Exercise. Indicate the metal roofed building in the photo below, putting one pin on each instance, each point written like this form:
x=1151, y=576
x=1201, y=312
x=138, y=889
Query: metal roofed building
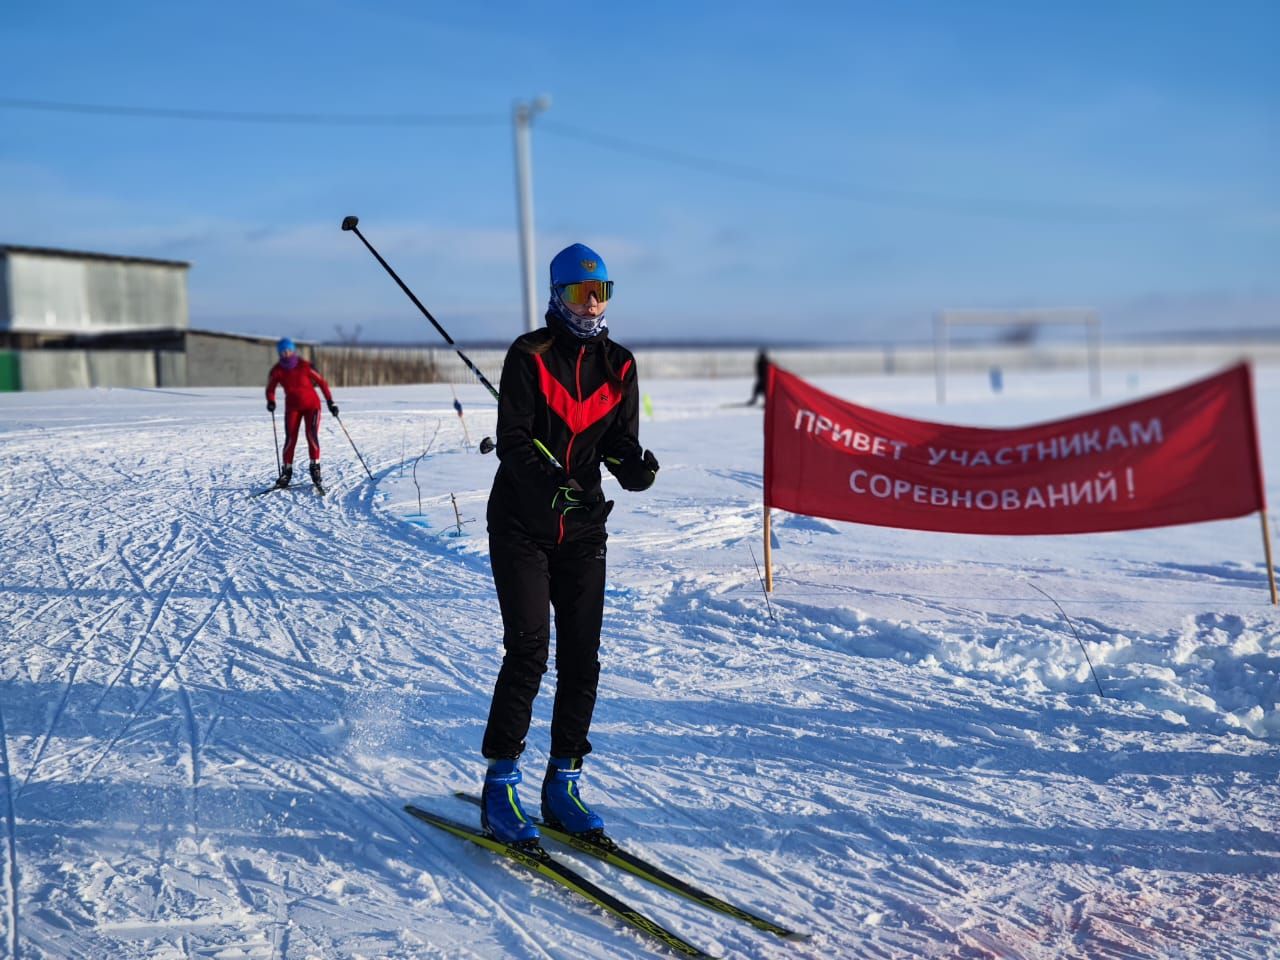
x=70, y=318
x=49, y=295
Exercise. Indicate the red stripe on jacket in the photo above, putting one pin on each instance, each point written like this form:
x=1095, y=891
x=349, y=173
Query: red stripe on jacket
x=579, y=413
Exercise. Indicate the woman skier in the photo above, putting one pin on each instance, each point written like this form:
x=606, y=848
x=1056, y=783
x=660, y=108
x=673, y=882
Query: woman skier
x=301, y=405
x=568, y=403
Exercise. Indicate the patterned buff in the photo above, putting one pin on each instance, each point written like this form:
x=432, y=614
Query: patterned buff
x=289, y=362
x=583, y=328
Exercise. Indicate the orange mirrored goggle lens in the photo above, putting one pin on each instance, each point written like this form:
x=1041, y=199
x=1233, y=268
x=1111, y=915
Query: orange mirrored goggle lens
x=577, y=293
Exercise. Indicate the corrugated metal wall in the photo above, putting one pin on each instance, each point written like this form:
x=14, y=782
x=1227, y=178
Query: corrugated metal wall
x=63, y=294
x=217, y=361
x=77, y=369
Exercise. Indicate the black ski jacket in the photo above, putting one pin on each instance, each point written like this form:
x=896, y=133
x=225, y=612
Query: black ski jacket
x=581, y=400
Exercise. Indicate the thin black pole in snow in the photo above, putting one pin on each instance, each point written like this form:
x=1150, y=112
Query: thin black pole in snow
x=763, y=589
x=276, y=437
x=1078, y=640
x=353, y=446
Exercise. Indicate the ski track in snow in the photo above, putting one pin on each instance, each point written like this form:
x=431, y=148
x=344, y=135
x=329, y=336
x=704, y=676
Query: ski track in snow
x=214, y=707
x=12, y=894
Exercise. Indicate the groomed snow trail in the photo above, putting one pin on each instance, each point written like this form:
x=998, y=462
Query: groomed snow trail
x=213, y=708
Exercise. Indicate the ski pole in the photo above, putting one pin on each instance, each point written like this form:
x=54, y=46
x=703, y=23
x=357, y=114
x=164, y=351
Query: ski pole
x=350, y=223
x=542, y=448
x=353, y=446
x=276, y=437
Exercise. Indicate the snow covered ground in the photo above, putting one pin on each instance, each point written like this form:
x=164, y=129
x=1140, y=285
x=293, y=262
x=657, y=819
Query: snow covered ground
x=212, y=708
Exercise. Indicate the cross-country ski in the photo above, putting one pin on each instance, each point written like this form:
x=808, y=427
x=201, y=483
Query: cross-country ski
x=533, y=857
x=603, y=847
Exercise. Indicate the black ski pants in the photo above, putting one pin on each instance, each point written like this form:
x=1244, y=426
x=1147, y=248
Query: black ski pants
x=531, y=578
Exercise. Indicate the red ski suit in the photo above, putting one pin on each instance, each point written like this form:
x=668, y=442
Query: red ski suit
x=300, y=404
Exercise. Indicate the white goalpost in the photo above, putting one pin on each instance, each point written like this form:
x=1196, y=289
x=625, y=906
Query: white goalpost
x=1039, y=317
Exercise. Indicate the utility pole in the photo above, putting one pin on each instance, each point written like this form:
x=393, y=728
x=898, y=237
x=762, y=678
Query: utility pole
x=522, y=117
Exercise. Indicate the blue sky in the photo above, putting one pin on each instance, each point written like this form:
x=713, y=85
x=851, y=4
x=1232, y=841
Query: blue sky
x=749, y=171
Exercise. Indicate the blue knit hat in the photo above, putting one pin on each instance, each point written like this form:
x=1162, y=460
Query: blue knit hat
x=283, y=344
x=575, y=264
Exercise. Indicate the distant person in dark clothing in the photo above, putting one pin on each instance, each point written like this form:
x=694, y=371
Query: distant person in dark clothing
x=762, y=378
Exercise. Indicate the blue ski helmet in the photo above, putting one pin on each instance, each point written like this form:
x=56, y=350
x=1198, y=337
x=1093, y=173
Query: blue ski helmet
x=283, y=344
x=575, y=264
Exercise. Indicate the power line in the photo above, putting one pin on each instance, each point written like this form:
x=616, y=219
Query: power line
x=1083, y=212
x=243, y=116
x=1065, y=212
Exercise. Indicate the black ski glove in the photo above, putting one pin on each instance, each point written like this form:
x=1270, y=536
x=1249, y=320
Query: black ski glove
x=635, y=473
x=333, y=408
x=571, y=501
x=271, y=406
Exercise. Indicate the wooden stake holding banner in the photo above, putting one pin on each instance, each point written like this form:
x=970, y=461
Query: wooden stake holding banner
x=1260, y=484
x=765, y=476
x=768, y=555
x=1266, y=546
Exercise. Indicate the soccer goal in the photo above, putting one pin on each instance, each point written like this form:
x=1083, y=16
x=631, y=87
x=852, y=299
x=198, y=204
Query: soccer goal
x=1023, y=320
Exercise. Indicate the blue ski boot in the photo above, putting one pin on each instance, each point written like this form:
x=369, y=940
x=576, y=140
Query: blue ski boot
x=501, y=815
x=562, y=805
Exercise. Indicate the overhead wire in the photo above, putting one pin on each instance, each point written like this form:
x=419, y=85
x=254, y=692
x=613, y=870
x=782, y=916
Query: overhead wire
x=878, y=196
x=247, y=116
x=1004, y=209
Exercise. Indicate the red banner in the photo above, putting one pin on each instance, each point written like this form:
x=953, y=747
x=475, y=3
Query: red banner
x=1179, y=457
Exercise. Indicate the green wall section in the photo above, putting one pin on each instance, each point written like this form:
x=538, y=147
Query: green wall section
x=10, y=371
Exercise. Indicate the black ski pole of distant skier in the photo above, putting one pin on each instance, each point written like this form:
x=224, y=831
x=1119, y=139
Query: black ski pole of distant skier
x=350, y=223
x=276, y=437
x=353, y=446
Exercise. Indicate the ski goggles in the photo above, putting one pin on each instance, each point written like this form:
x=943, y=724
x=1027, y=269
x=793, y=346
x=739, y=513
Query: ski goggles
x=577, y=293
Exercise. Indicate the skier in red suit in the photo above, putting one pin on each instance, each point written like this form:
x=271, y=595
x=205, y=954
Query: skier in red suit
x=301, y=406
